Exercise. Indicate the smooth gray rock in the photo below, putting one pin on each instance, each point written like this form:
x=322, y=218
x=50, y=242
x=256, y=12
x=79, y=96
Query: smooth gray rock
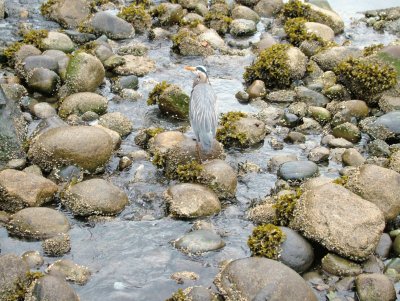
x=297, y=170
x=13, y=276
x=112, y=26
x=52, y=288
x=199, y=241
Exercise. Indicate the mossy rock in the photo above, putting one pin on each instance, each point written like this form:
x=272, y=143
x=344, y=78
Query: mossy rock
x=82, y=102
x=68, y=13
x=80, y=65
x=365, y=79
x=168, y=13
x=277, y=66
x=171, y=100
x=219, y=21
x=185, y=42
x=266, y=241
x=137, y=16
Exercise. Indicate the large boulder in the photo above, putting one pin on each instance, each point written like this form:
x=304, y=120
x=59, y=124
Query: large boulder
x=58, y=41
x=82, y=102
x=19, y=189
x=13, y=277
x=340, y=220
x=53, y=288
x=94, y=197
x=112, y=26
x=327, y=17
x=191, y=201
x=37, y=223
x=88, y=147
x=258, y=279
x=329, y=59
x=80, y=65
x=377, y=185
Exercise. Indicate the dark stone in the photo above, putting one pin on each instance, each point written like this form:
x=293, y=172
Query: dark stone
x=112, y=26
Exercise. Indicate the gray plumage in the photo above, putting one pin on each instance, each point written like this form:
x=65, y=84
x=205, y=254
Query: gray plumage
x=202, y=110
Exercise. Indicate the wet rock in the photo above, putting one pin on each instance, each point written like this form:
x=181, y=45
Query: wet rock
x=118, y=122
x=394, y=161
x=43, y=81
x=243, y=12
x=263, y=213
x=329, y=59
x=199, y=241
x=344, y=223
x=199, y=293
x=309, y=127
x=297, y=170
x=191, y=201
x=297, y=252
x=270, y=115
x=340, y=143
x=295, y=137
x=373, y=265
x=220, y=177
x=290, y=120
x=52, y=288
x=212, y=38
x=347, y=131
x=377, y=185
x=40, y=61
x=351, y=157
x=390, y=121
x=113, y=62
x=37, y=223
x=257, y=89
x=251, y=129
x=34, y=169
x=33, y=259
x=58, y=41
x=266, y=41
x=355, y=108
x=57, y=245
x=276, y=161
x=327, y=17
x=338, y=266
x=389, y=103
x=321, y=115
x=242, y=27
x=17, y=164
x=378, y=148
x=258, y=278
x=297, y=62
x=85, y=146
x=43, y=110
x=242, y=97
x=19, y=189
x=136, y=65
x=94, y=196
x=115, y=137
x=125, y=82
x=67, y=13
x=78, y=68
x=310, y=97
x=375, y=287
x=286, y=96
x=70, y=271
x=14, y=277
x=384, y=245
x=62, y=60
x=319, y=154
x=112, y=26
x=266, y=8
x=320, y=30
x=79, y=103
x=187, y=43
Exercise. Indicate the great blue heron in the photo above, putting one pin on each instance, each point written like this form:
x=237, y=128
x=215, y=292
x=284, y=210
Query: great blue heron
x=202, y=109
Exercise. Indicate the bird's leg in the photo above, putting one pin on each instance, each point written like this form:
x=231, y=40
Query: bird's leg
x=198, y=151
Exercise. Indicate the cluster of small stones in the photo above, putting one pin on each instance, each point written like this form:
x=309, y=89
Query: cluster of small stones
x=346, y=94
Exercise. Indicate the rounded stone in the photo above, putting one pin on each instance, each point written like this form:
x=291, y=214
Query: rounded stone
x=57, y=245
x=384, y=246
x=112, y=26
x=33, y=259
x=14, y=276
x=258, y=278
x=220, y=177
x=242, y=27
x=319, y=154
x=94, y=197
x=85, y=146
x=191, y=201
x=276, y=161
x=19, y=189
x=58, y=41
x=199, y=241
x=338, y=266
x=320, y=30
x=80, y=103
x=80, y=65
x=117, y=122
x=243, y=12
x=43, y=110
x=390, y=121
x=70, y=271
x=38, y=223
x=297, y=170
x=297, y=252
x=51, y=288
x=40, y=61
x=347, y=131
x=340, y=143
x=43, y=81
x=351, y=157
x=375, y=287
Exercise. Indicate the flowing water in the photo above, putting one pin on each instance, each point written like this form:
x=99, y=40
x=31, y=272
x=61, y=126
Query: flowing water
x=131, y=257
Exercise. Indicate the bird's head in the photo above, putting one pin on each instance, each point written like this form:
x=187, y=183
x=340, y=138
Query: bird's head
x=201, y=73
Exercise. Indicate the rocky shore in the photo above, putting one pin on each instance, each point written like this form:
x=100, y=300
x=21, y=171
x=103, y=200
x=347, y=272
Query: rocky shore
x=299, y=198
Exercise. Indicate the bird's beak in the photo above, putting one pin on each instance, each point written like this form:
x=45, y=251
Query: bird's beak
x=190, y=68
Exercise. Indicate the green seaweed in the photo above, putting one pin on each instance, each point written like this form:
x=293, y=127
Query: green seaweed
x=190, y=172
x=35, y=37
x=271, y=66
x=297, y=33
x=285, y=206
x=179, y=295
x=364, y=79
x=227, y=134
x=155, y=94
x=45, y=8
x=341, y=180
x=137, y=16
x=266, y=241
x=372, y=49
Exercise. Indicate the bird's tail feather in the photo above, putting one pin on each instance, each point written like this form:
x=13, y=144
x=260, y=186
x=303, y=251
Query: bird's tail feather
x=206, y=142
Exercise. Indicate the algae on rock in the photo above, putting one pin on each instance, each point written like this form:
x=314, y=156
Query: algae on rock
x=266, y=241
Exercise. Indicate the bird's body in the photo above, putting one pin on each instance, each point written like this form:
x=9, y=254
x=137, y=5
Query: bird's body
x=202, y=110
